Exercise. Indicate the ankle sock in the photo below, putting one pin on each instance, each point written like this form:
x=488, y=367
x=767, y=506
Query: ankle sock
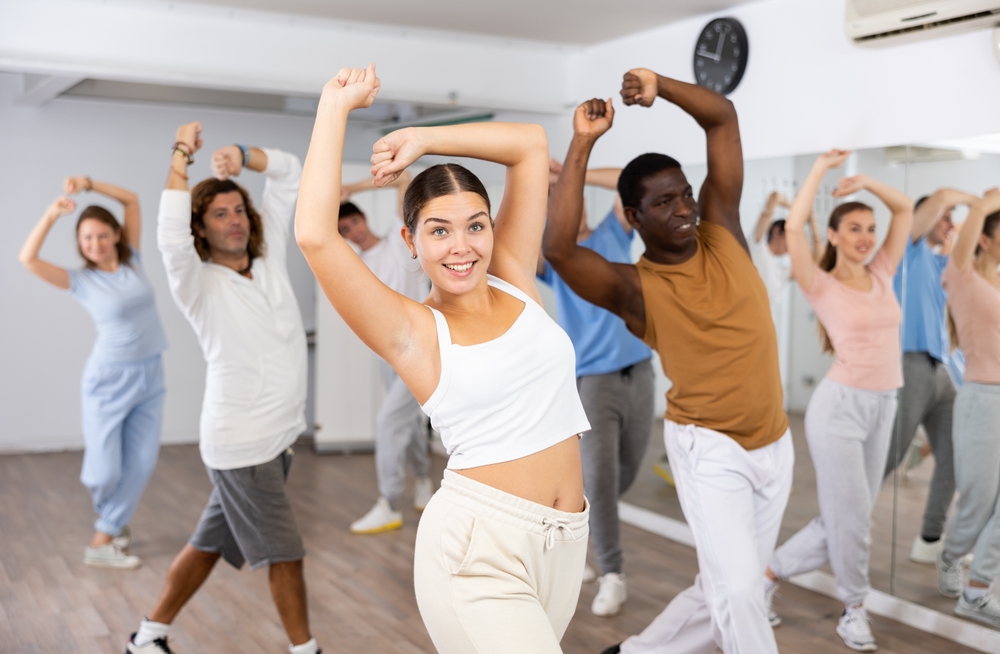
x=308, y=647
x=932, y=539
x=150, y=631
x=973, y=593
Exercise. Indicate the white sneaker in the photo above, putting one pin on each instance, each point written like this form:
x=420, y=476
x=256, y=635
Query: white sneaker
x=380, y=518
x=422, y=491
x=589, y=575
x=610, y=596
x=110, y=556
x=986, y=609
x=924, y=552
x=124, y=539
x=158, y=646
x=949, y=576
x=770, y=591
x=855, y=628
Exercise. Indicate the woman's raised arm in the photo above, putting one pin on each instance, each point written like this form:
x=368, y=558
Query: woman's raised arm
x=132, y=231
x=899, y=204
x=389, y=323
x=522, y=148
x=28, y=257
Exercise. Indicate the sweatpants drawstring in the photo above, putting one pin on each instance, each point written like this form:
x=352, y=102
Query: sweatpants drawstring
x=551, y=527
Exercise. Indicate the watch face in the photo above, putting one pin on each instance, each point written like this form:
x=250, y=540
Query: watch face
x=720, y=55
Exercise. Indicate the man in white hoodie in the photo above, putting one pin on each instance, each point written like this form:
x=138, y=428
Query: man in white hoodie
x=233, y=287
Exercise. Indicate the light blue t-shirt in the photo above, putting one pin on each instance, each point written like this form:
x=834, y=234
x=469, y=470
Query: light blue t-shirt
x=123, y=307
x=602, y=342
x=924, y=327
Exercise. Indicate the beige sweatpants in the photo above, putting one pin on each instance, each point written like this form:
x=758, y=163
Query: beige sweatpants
x=497, y=573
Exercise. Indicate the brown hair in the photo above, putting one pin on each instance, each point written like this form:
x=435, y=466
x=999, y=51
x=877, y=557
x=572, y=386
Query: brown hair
x=203, y=194
x=829, y=259
x=435, y=182
x=102, y=215
x=989, y=228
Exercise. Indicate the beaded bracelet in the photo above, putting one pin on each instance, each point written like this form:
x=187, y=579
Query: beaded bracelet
x=187, y=156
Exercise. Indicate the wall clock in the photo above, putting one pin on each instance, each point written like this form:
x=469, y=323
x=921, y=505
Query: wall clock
x=720, y=55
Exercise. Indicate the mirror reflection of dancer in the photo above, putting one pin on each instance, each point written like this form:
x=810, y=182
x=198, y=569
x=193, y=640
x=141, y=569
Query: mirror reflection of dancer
x=850, y=415
x=928, y=394
x=226, y=267
x=696, y=297
x=501, y=546
x=614, y=375
x=400, y=434
x=973, y=287
x=122, y=391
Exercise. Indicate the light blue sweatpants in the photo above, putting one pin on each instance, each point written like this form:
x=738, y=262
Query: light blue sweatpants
x=122, y=417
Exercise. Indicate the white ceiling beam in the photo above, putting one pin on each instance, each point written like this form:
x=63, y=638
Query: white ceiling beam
x=40, y=89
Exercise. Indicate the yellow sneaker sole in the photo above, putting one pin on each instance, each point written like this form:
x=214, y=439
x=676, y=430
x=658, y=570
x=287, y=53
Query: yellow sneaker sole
x=664, y=473
x=389, y=526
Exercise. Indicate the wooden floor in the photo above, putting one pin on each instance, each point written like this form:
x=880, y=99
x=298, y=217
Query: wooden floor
x=360, y=588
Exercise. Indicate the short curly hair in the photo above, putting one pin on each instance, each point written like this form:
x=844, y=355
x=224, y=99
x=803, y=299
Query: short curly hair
x=630, y=182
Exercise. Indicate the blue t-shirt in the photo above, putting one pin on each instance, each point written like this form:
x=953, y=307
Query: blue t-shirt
x=602, y=342
x=924, y=327
x=123, y=307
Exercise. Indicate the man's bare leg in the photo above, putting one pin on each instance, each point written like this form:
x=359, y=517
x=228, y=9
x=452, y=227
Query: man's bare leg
x=188, y=572
x=288, y=588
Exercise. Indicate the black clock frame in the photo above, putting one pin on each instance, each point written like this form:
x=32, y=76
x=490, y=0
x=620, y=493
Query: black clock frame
x=741, y=61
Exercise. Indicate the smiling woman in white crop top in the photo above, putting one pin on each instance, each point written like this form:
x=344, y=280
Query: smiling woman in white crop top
x=500, y=547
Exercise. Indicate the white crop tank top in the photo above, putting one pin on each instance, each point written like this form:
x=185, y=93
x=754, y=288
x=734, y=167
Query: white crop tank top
x=509, y=397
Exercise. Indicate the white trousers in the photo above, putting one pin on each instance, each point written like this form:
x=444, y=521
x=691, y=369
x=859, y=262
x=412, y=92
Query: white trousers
x=733, y=500
x=494, y=573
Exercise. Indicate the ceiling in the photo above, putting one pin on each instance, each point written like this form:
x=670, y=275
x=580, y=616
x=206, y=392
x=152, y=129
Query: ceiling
x=582, y=22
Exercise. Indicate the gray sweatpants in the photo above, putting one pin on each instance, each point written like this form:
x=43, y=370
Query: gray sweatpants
x=927, y=398
x=976, y=525
x=619, y=407
x=848, y=433
x=400, y=437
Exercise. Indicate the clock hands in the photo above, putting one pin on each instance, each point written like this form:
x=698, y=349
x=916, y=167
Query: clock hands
x=717, y=55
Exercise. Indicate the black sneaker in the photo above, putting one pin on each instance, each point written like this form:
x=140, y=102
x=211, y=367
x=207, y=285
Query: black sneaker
x=614, y=649
x=158, y=646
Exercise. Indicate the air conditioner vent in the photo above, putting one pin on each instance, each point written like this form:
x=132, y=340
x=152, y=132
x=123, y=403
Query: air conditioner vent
x=877, y=23
x=924, y=27
x=872, y=7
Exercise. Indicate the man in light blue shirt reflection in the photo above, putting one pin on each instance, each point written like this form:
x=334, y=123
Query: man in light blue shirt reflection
x=928, y=391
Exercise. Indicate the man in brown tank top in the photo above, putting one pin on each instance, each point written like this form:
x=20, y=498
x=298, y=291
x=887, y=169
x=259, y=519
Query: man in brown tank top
x=696, y=297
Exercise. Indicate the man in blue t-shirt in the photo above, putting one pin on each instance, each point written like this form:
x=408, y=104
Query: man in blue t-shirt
x=615, y=380
x=928, y=391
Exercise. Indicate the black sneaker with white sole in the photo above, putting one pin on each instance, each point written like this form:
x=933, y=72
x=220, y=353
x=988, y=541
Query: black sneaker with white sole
x=158, y=646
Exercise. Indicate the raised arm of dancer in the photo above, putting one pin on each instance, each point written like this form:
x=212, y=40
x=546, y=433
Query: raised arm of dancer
x=803, y=264
x=129, y=200
x=774, y=201
x=612, y=286
x=814, y=239
x=964, y=250
x=899, y=204
x=522, y=148
x=719, y=198
x=927, y=215
x=388, y=322
x=173, y=225
x=401, y=183
x=28, y=256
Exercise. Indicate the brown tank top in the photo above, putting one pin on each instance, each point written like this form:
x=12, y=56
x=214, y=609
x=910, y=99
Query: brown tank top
x=710, y=321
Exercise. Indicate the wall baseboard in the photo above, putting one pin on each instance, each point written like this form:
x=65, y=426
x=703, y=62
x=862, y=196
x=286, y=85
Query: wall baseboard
x=74, y=442
x=878, y=603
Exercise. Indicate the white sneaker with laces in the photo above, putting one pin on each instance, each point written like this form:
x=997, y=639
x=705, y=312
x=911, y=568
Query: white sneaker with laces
x=769, y=592
x=986, y=609
x=380, y=518
x=589, y=575
x=611, y=595
x=949, y=576
x=110, y=556
x=422, y=491
x=855, y=628
x=124, y=539
x=158, y=646
x=924, y=552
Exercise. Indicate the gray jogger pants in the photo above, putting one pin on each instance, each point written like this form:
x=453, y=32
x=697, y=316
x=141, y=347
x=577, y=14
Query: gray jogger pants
x=848, y=433
x=619, y=406
x=927, y=398
x=976, y=525
x=400, y=437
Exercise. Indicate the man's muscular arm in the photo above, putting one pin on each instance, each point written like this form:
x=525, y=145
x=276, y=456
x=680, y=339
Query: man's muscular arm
x=719, y=199
x=612, y=286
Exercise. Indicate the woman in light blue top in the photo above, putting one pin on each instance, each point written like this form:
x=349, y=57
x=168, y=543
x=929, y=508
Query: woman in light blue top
x=122, y=390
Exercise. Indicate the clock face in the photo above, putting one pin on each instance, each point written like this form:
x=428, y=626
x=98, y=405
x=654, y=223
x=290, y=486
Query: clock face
x=720, y=55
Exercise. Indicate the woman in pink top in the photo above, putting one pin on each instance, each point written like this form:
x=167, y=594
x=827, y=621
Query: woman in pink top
x=850, y=415
x=973, y=288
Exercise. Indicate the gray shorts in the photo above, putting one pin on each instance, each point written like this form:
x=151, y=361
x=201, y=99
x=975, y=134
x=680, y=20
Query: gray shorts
x=249, y=518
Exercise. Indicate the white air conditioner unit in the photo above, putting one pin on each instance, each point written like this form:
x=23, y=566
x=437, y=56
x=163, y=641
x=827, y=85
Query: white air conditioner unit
x=877, y=23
